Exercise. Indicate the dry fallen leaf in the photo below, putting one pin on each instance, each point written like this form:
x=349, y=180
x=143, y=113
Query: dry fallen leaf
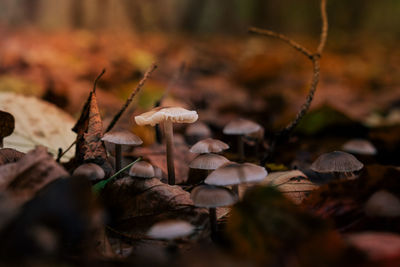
x=293, y=184
x=89, y=147
x=9, y=155
x=37, y=123
x=22, y=179
x=139, y=203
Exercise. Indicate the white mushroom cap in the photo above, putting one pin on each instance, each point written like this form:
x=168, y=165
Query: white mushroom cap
x=122, y=138
x=236, y=173
x=336, y=161
x=359, y=146
x=241, y=126
x=90, y=170
x=209, y=196
x=209, y=145
x=170, y=229
x=208, y=162
x=142, y=169
x=173, y=114
x=383, y=204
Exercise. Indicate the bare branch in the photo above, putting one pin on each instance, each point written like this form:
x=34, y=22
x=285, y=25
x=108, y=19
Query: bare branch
x=97, y=79
x=133, y=94
x=283, y=38
x=315, y=59
x=324, y=31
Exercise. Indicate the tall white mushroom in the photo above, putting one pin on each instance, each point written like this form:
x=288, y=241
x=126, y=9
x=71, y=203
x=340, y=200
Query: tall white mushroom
x=167, y=116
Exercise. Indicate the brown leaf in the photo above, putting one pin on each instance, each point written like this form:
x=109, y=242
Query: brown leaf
x=9, y=155
x=89, y=147
x=7, y=125
x=22, y=179
x=139, y=203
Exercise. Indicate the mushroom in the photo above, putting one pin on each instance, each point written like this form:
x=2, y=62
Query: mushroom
x=359, y=146
x=338, y=163
x=209, y=145
x=208, y=162
x=120, y=138
x=142, y=169
x=197, y=131
x=91, y=170
x=233, y=174
x=211, y=197
x=170, y=230
x=241, y=127
x=382, y=204
x=167, y=116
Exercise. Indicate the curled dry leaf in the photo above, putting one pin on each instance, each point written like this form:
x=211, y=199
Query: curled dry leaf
x=89, y=147
x=7, y=125
x=22, y=179
x=139, y=203
x=37, y=123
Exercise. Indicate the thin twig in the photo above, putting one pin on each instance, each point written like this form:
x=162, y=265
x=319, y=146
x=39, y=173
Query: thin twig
x=133, y=94
x=283, y=38
x=324, y=31
x=315, y=59
x=316, y=74
x=60, y=155
x=97, y=79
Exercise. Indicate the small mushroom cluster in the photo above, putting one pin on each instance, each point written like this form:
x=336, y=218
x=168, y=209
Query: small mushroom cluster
x=222, y=173
x=208, y=159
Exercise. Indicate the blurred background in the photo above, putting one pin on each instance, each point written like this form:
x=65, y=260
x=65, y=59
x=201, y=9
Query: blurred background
x=55, y=49
x=378, y=18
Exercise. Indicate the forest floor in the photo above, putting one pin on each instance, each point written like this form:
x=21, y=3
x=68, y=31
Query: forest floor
x=222, y=78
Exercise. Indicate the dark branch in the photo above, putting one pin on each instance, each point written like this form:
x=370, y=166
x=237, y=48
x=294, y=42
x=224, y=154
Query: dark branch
x=133, y=94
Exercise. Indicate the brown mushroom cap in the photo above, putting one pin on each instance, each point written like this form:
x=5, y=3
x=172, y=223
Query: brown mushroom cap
x=122, y=138
x=359, y=146
x=209, y=145
x=208, y=162
x=241, y=126
x=173, y=114
x=236, y=173
x=170, y=229
x=209, y=196
x=142, y=169
x=91, y=170
x=336, y=161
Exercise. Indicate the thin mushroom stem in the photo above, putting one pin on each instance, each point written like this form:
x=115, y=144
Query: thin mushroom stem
x=241, y=148
x=118, y=157
x=169, y=137
x=213, y=221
